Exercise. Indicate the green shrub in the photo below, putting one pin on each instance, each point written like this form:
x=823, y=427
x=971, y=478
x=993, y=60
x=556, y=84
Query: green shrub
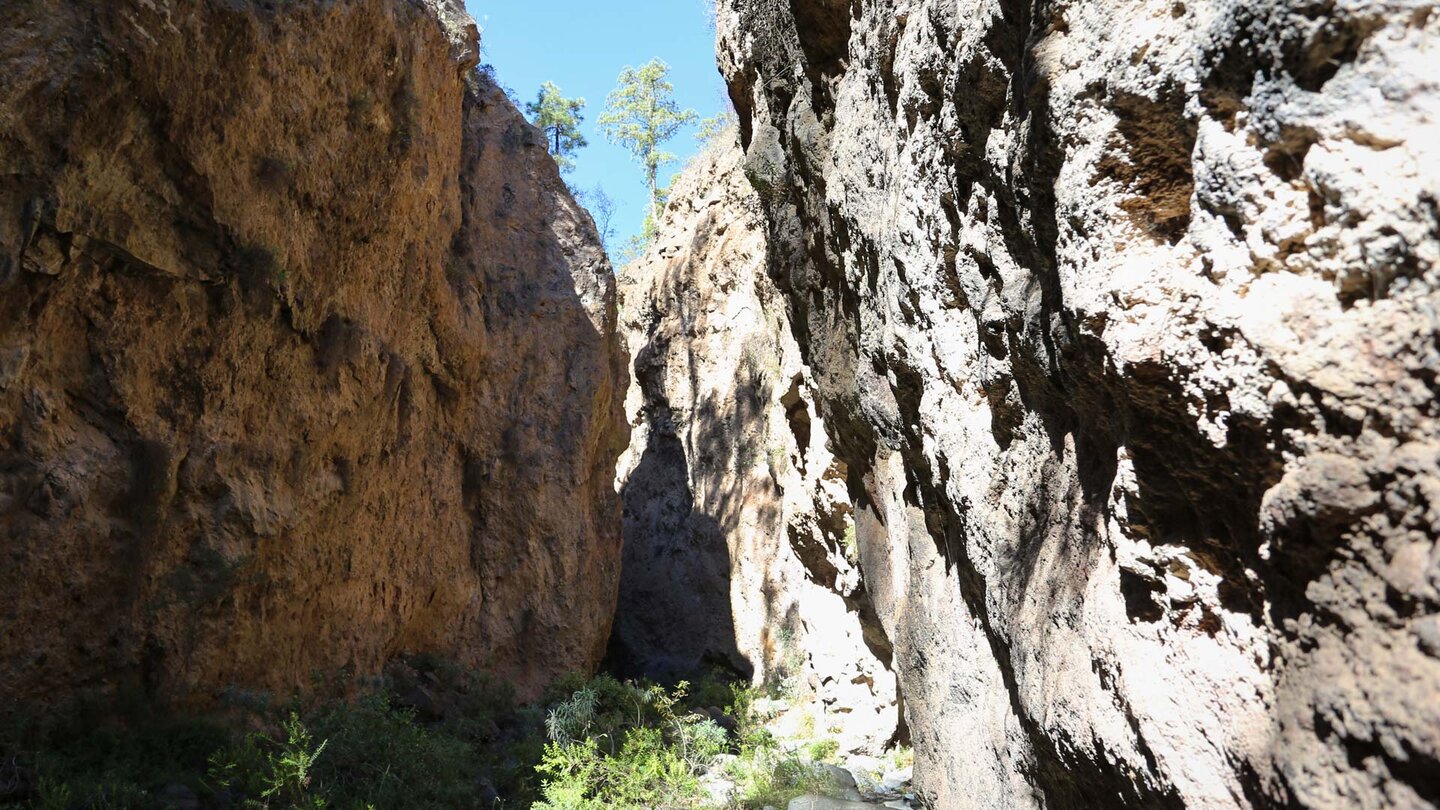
x=589, y=744
x=105, y=753
x=336, y=753
x=822, y=750
x=645, y=772
x=769, y=777
x=901, y=756
x=627, y=745
x=379, y=755
x=277, y=772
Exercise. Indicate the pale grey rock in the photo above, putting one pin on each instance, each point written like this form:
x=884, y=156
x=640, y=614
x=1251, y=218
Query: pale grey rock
x=1122, y=318
x=844, y=782
x=811, y=802
x=736, y=513
x=896, y=780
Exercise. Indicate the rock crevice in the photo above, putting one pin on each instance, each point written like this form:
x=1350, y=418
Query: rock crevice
x=738, y=534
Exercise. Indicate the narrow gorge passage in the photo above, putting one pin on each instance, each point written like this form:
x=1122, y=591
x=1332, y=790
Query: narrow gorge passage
x=739, y=536
x=1006, y=404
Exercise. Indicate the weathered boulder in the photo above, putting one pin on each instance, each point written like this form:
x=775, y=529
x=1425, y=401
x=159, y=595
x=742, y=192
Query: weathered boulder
x=736, y=517
x=1123, y=319
x=307, y=358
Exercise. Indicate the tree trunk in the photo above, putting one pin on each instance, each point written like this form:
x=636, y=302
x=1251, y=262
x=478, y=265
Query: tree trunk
x=654, y=169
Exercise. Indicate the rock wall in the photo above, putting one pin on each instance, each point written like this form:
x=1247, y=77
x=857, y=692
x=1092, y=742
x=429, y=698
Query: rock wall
x=736, y=516
x=307, y=358
x=1123, y=320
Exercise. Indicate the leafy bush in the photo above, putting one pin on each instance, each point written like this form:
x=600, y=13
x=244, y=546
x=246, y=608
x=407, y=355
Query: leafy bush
x=590, y=744
x=104, y=753
x=626, y=745
x=769, y=777
x=276, y=772
x=370, y=752
x=645, y=772
x=822, y=750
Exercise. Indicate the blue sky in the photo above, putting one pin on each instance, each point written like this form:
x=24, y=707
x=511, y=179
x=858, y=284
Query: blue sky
x=582, y=45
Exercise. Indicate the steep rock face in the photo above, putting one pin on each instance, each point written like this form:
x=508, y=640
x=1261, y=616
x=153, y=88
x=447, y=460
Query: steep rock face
x=736, y=517
x=1123, y=318
x=307, y=358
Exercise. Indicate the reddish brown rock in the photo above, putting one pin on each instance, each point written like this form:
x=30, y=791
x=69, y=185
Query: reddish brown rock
x=307, y=358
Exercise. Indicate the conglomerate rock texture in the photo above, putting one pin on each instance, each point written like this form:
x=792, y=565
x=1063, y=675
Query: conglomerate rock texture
x=1123, y=320
x=307, y=358
x=736, y=515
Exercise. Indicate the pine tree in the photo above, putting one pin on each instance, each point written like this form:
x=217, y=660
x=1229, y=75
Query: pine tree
x=711, y=129
x=560, y=119
x=641, y=115
x=602, y=209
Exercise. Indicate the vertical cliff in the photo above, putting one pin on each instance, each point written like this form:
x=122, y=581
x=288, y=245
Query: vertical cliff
x=1122, y=318
x=736, y=516
x=307, y=358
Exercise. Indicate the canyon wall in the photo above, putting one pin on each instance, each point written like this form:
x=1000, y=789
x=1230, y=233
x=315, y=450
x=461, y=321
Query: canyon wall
x=1122, y=318
x=738, y=532
x=307, y=357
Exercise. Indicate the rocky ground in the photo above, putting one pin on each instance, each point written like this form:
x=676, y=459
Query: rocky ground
x=852, y=780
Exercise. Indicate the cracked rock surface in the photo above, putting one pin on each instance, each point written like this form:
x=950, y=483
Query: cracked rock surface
x=736, y=515
x=307, y=357
x=1123, y=321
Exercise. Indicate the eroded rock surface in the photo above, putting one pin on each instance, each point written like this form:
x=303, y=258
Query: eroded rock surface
x=1123, y=319
x=736, y=516
x=307, y=358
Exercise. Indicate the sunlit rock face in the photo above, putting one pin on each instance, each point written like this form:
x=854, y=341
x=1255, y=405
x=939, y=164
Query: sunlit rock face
x=736, y=515
x=1123, y=319
x=307, y=358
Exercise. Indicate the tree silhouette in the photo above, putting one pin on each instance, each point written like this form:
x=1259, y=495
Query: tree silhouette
x=560, y=118
x=641, y=115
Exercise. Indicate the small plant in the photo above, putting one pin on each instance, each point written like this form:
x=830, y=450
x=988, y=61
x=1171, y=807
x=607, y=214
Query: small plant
x=850, y=545
x=361, y=110
x=767, y=777
x=699, y=743
x=822, y=750
x=291, y=767
x=779, y=459
x=807, y=725
x=275, y=173
x=403, y=105
x=900, y=757
x=627, y=745
x=787, y=677
x=276, y=771
x=206, y=577
x=571, y=719
x=52, y=795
